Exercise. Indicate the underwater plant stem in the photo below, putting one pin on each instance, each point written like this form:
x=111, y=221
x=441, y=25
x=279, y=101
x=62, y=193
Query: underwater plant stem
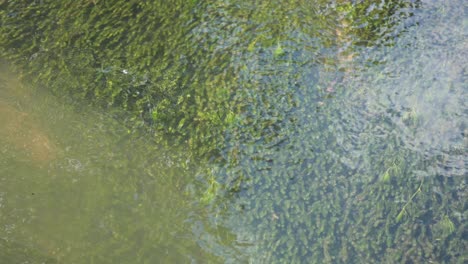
x=403, y=210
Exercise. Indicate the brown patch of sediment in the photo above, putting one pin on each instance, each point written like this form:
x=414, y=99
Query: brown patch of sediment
x=21, y=132
x=18, y=129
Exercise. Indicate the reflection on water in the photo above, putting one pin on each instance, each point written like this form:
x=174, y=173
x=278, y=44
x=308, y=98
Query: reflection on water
x=78, y=188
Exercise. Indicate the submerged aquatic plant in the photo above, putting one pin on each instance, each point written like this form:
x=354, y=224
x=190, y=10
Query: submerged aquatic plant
x=403, y=211
x=216, y=78
x=210, y=194
x=445, y=226
x=392, y=170
x=279, y=51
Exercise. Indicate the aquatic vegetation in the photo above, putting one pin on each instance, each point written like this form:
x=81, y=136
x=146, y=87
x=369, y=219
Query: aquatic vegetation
x=278, y=51
x=211, y=192
x=446, y=226
x=394, y=169
x=403, y=211
x=329, y=133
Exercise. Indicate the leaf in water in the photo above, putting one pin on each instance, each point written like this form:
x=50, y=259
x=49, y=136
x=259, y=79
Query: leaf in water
x=251, y=46
x=154, y=115
x=278, y=51
x=181, y=123
x=386, y=176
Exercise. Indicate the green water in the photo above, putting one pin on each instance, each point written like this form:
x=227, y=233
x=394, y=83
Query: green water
x=104, y=196
x=233, y=132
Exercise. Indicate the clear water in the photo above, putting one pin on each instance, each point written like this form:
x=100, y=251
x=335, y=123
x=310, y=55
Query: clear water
x=344, y=148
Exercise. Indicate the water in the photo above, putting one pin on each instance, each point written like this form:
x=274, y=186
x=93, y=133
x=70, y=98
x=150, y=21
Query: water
x=76, y=197
x=338, y=145
x=279, y=132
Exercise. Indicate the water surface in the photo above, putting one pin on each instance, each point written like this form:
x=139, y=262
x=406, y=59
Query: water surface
x=77, y=187
x=236, y=132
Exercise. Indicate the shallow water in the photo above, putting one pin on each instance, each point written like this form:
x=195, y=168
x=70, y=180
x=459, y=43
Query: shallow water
x=335, y=151
x=343, y=141
x=101, y=195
